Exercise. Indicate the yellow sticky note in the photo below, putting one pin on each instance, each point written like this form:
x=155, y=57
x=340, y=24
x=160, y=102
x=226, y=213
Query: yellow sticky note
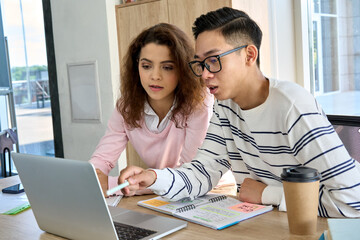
x=156, y=202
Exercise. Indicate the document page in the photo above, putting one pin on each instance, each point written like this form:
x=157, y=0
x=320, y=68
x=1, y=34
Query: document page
x=223, y=213
x=168, y=207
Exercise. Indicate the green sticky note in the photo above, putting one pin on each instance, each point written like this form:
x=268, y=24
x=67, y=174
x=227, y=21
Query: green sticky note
x=18, y=209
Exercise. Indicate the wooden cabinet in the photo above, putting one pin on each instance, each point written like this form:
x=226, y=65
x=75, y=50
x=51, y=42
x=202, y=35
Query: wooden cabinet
x=183, y=13
x=132, y=18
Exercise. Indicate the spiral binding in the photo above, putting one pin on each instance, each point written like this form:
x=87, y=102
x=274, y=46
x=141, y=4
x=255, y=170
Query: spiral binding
x=193, y=206
x=217, y=199
x=186, y=208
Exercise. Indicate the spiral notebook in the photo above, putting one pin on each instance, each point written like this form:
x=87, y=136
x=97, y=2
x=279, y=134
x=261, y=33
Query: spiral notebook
x=212, y=210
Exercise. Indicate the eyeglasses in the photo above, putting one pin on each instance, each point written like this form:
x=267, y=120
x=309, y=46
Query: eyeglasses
x=211, y=63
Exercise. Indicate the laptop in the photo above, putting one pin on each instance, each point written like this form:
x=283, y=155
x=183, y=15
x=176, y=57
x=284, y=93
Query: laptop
x=67, y=200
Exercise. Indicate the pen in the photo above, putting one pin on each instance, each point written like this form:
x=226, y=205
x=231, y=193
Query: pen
x=117, y=188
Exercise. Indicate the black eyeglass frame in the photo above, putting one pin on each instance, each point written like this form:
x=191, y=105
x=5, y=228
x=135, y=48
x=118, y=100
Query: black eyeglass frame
x=203, y=65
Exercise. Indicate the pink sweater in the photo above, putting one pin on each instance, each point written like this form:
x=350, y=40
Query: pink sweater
x=170, y=148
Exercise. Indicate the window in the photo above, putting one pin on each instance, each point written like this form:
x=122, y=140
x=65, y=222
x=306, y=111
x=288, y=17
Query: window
x=334, y=36
x=23, y=26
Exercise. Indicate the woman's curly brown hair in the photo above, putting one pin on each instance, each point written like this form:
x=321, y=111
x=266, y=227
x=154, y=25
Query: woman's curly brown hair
x=189, y=93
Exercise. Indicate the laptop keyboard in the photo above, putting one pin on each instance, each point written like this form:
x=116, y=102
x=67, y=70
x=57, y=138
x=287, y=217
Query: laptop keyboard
x=130, y=232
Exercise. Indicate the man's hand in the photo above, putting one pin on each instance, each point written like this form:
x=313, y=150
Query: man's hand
x=251, y=191
x=103, y=178
x=138, y=179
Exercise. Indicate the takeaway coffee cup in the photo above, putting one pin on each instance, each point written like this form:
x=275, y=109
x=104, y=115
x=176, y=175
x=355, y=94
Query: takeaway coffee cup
x=301, y=188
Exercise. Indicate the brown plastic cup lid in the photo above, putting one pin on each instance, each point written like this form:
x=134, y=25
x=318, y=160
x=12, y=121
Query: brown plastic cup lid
x=300, y=174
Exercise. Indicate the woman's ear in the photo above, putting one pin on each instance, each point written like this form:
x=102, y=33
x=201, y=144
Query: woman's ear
x=251, y=54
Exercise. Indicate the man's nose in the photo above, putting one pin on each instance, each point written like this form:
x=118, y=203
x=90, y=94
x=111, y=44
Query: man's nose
x=206, y=74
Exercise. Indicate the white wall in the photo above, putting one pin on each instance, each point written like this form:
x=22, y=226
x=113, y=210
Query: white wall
x=85, y=30
x=282, y=38
x=261, y=16
x=277, y=21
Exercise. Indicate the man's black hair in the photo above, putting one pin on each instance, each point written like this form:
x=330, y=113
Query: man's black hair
x=236, y=26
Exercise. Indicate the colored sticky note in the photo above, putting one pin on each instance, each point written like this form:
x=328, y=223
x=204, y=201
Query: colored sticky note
x=156, y=202
x=246, y=207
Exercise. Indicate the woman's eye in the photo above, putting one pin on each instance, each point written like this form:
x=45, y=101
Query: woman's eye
x=168, y=68
x=146, y=66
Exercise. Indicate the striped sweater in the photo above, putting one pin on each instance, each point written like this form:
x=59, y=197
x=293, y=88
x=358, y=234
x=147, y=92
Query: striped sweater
x=289, y=129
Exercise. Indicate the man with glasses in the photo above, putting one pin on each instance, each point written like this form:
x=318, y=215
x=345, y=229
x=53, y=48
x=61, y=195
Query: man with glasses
x=211, y=63
x=259, y=127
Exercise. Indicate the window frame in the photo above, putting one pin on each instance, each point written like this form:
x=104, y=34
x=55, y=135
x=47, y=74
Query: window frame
x=303, y=34
x=344, y=120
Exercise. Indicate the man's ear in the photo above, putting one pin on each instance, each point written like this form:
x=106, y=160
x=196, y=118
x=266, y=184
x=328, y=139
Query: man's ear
x=251, y=54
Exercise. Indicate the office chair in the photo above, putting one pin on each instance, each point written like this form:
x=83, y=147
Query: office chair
x=8, y=138
x=348, y=129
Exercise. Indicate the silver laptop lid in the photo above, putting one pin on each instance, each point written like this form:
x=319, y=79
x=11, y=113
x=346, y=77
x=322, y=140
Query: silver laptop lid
x=61, y=205
x=67, y=200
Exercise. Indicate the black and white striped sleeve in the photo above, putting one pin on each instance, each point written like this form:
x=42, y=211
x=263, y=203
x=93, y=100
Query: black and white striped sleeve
x=199, y=176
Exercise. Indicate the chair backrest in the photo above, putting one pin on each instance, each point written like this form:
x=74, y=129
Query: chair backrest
x=133, y=158
x=8, y=138
x=349, y=133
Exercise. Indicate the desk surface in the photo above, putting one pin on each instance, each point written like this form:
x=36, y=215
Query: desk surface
x=271, y=225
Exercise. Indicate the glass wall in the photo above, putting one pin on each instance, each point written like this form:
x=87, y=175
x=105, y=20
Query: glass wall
x=24, y=29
